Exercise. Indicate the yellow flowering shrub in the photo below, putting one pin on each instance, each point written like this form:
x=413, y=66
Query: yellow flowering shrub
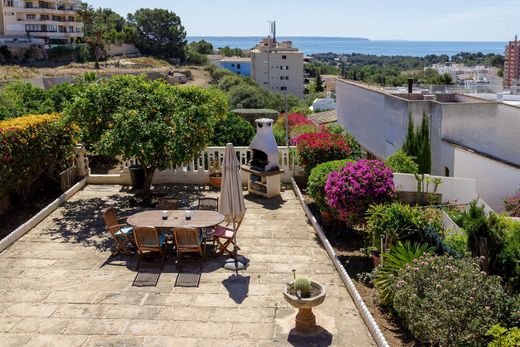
x=31, y=146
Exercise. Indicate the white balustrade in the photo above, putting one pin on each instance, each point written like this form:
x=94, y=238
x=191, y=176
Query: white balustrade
x=197, y=170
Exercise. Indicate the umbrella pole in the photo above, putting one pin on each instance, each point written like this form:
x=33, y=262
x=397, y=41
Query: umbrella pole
x=235, y=245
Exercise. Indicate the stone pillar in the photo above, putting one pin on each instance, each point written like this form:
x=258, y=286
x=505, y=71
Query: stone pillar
x=81, y=160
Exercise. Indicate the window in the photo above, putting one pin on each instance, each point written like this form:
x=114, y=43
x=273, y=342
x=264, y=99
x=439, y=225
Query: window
x=238, y=66
x=52, y=28
x=33, y=27
x=31, y=16
x=9, y=3
x=71, y=19
x=446, y=171
x=232, y=65
x=78, y=30
x=62, y=29
x=284, y=78
x=284, y=67
x=44, y=17
x=284, y=57
x=29, y=5
x=283, y=88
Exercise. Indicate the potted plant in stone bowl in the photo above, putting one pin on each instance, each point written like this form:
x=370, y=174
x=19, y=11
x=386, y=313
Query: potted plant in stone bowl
x=304, y=294
x=215, y=173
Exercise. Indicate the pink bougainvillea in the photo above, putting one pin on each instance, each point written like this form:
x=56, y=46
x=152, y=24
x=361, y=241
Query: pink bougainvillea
x=320, y=147
x=512, y=205
x=353, y=189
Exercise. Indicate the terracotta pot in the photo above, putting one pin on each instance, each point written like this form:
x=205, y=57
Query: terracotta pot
x=376, y=258
x=326, y=218
x=305, y=319
x=215, y=181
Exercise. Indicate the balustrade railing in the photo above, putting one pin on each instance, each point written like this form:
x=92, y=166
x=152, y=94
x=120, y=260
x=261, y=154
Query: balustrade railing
x=196, y=171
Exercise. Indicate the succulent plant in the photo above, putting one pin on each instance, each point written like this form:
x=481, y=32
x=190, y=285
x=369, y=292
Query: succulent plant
x=303, y=284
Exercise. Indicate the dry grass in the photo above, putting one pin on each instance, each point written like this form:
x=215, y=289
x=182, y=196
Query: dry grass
x=143, y=64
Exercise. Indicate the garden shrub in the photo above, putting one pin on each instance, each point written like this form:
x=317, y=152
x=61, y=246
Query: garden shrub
x=298, y=124
x=318, y=179
x=459, y=243
x=31, y=146
x=400, y=222
x=402, y=163
x=233, y=129
x=445, y=301
x=321, y=147
x=503, y=337
x=356, y=152
x=358, y=185
x=497, y=238
x=394, y=260
x=512, y=205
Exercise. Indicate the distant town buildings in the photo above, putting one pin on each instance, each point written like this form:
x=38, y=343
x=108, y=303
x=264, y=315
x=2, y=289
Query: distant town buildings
x=324, y=104
x=278, y=66
x=40, y=21
x=470, y=136
x=238, y=65
x=462, y=74
x=512, y=64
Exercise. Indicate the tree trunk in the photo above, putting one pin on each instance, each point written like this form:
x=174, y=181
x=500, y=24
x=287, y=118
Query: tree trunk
x=148, y=176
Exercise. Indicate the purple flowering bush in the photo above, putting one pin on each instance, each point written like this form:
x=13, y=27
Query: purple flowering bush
x=512, y=205
x=353, y=189
x=445, y=301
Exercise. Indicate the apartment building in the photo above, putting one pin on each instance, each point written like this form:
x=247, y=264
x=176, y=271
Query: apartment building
x=512, y=63
x=471, y=137
x=50, y=22
x=278, y=66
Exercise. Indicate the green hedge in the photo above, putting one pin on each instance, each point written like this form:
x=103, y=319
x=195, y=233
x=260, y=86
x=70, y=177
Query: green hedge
x=31, y=146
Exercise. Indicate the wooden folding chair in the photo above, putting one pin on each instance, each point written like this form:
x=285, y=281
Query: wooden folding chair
x=148, y=239
x=122, y=233
x=189, y=240
x=165, y=203
x=209, y=204
x=225, y=237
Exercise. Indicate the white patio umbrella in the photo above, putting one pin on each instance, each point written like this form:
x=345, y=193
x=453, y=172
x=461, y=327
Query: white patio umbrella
x=231, y=202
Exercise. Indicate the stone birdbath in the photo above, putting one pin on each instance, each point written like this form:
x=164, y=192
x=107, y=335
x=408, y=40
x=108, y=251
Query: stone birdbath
x=305, y=319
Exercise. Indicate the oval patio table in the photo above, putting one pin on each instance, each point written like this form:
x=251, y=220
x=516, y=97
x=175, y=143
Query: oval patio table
x=176, y=219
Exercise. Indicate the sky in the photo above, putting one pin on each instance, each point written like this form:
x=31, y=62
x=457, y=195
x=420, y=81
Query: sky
x=440, y=20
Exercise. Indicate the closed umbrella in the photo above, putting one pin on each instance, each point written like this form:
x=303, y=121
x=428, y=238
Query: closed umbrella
x=232, y=204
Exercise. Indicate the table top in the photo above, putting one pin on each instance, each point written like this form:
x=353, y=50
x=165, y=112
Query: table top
x=176, y=218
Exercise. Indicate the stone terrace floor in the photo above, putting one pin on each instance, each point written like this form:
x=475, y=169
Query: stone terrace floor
x=60, y=287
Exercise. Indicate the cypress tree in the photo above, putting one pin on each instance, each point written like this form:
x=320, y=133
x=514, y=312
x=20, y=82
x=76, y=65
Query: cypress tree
x=319, y=82
x=409, y=141
x=417, y=143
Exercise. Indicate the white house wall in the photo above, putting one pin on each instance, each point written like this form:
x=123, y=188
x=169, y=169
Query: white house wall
x=495, y=180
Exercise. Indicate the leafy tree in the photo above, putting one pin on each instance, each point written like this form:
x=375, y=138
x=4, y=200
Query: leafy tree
x=159, y=32
x=242, y=96
x=158, y=124
x=20, y=98
x=233, y=129
x=231, y=52
x=201, y=47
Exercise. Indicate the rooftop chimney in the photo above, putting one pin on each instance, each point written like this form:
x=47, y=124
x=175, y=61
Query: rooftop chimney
x=410, y=85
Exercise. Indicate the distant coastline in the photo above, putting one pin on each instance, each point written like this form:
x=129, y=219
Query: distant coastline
x=348, y=45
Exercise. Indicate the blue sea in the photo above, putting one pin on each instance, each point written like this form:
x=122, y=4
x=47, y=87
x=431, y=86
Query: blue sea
x=312, y=45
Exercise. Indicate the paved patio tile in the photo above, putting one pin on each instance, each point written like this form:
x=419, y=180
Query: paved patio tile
x=60, y=287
